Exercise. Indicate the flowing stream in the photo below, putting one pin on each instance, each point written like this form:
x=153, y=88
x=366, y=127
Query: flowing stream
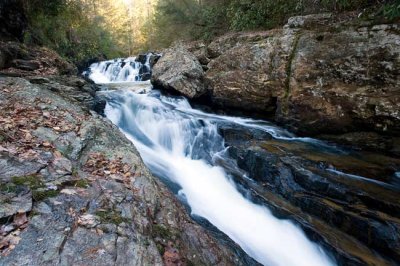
x=180, y=145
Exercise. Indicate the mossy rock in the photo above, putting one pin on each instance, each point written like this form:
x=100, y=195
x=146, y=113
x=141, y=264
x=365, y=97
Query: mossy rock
x=8, y=188
x=82, y=183
x=163, y=232
x=111, y=217
x=41, y=194
x=35, y=184
x=32, y=181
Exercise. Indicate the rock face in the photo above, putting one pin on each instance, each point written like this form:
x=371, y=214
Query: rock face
x=318, y=75
x=179, y=70
x=74, y=190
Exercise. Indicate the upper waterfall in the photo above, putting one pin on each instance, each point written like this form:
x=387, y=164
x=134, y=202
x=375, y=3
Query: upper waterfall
x=131, y=69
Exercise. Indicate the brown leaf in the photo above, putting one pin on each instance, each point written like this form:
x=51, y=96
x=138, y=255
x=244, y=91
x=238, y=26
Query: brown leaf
x=20, y=219
x=57, y=154
x=46, y=144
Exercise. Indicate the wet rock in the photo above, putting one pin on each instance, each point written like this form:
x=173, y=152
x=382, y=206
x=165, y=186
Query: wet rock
x=154, y=59
x=180, y=71
x=351, y=204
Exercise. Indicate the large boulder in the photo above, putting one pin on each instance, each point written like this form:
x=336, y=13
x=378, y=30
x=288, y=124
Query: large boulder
x=250, y=72
x=344, y=79
x=178, y=70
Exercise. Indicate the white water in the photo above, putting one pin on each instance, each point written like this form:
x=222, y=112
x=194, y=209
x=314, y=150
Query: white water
x=176, y=141
x=118, y=70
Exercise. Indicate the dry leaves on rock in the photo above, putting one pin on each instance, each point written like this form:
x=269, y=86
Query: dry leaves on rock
x=98, y=165
x=9, y=234
x=172, y=257
x=88, y=220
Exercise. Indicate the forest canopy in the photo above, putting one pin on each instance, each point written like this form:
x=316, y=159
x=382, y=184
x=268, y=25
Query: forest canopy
x=87, y=29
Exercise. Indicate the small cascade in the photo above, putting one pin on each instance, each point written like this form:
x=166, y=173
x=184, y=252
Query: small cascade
x=131, y=69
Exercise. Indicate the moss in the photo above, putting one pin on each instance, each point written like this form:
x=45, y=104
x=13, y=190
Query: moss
x=111, y=217
x=82, y=183
x=160, y=248
x=40, y=194
x=8, y=187
x=32, y=181
x=35, y=183
x=189, y=263
x=74, y=172
x=6, y=201
x=162, y=232
x=289, y=65
x=33, y=213
x=146, y=242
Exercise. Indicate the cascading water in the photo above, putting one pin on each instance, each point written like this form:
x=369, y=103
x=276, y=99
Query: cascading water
x=179, y=143
x=130, y=69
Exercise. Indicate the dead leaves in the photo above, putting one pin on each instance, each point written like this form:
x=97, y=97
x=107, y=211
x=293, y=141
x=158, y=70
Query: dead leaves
x=18, y=121
x=9, y=233
x=88, y=220
x=98, y=165
x=171, y=256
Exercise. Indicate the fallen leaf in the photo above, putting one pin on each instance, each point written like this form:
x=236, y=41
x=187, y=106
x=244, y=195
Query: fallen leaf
x=20, y=219
x=46, y=144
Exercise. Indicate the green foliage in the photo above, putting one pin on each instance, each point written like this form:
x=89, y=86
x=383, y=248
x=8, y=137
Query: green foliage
x=173, y=20
x=391, y=11
x=192, y=20
x=111, y=217
x=66, y=27
x=84, y=29
x=247, y=14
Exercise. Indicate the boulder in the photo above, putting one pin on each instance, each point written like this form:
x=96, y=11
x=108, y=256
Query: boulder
x=250, y=73
x=344, y=80
x=178, y=70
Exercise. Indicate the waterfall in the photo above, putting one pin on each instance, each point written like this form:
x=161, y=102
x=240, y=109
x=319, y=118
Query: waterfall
x=131, y=69
x=179, y=144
